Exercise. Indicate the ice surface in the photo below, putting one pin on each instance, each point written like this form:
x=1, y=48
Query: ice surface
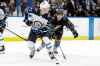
x=78, y=53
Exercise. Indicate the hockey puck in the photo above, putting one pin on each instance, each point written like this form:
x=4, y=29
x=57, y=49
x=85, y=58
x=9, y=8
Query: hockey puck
x=57, y=63
x=38, y=50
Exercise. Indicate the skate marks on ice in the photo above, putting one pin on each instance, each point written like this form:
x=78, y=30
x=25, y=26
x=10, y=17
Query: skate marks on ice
x=18, y=54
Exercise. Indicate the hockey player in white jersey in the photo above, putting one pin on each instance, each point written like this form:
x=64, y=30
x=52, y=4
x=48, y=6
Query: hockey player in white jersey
x=40, y=28
x=3, y=16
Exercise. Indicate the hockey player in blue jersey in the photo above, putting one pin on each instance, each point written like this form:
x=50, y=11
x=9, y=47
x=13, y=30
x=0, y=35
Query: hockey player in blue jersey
x=3, y=16
x=40, y=28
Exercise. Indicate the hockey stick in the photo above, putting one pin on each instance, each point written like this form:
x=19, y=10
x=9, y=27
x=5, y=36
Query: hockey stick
x=16, y=34
x=62, y=53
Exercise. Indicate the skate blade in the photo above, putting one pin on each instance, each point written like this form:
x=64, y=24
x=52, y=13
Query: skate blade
x=56, y=61
x=32, y=54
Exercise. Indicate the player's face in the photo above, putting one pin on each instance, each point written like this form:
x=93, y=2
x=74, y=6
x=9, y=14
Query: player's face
x=59, y=16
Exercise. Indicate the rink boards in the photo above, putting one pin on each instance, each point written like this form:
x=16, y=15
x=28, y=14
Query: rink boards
x=17, y=25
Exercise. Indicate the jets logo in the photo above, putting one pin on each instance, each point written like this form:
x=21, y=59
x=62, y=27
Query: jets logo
x=37, y=24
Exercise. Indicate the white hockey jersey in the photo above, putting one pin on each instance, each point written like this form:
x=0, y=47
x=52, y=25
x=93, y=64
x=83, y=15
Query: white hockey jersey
x=38, y=21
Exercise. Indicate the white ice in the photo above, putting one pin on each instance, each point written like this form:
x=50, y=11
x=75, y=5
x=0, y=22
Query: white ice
x=78, y=53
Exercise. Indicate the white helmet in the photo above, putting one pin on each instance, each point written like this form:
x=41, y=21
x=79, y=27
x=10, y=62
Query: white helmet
x=44, y=7
x=44, y=4
x=2, y=15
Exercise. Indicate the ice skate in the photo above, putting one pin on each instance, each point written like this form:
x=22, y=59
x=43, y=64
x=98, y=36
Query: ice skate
x=32, y=53
x=2, y=49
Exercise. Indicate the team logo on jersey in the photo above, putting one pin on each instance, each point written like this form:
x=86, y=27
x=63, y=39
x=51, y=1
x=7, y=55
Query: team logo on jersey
x=37, y=24
x=38, y=21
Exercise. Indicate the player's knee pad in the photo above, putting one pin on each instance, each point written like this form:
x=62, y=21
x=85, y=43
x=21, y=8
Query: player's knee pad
x=43, y=44
x=31, y=45
x=1, y=39
x=48, y=46
x=1, y=35
x=47, y=42
x=57, y=43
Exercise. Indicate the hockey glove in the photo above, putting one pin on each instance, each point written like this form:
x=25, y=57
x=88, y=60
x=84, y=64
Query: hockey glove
x=75, y=34
x=28, y=22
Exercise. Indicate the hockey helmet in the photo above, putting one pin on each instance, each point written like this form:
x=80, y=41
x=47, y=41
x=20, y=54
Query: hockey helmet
x=44, y=5
x=2, y=14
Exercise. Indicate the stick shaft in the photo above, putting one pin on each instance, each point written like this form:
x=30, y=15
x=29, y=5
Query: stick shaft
x=16, y=34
